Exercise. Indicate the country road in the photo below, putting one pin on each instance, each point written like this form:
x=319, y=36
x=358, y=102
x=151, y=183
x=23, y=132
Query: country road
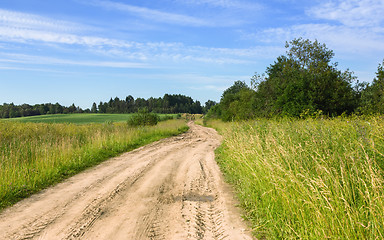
x=171, y=189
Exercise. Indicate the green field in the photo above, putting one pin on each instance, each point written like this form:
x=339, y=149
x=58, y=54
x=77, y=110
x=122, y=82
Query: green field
x=307, y=179
x=34, y=156
x=79, y=118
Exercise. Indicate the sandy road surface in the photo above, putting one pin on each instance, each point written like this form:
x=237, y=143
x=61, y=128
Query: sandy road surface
x=171, y=189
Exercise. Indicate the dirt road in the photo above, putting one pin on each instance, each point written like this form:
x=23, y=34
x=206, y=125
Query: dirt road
x=171, y=189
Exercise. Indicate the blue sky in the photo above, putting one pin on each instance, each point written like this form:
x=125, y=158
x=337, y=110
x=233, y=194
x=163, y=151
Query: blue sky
x=85, y=51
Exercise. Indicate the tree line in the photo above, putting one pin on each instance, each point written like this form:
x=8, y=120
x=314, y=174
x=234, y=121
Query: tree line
x=304, y=82
x=170, y=103
x=11, y=110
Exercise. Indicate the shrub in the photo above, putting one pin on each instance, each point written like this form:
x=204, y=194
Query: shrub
x=143, y=118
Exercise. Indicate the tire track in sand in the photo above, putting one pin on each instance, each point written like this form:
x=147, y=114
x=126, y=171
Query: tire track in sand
x=171, y=189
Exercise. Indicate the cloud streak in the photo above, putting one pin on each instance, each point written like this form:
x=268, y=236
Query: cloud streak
x=29, y=31
x=152, y=14
x=24, y=35
x=343, y=38
x=352, y=13
x=349, y=26
x=229, y=4
x=18, y=20
x=41, y=60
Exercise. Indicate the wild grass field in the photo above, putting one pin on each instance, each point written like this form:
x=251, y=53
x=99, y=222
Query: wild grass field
x=36, y=155
x=80, y=118
x=307, y=179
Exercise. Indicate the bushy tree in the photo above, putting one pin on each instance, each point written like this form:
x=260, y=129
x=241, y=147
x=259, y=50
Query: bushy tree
x=143, y=118
x=235, y=104
x=234, y=89
x=208, y=105
x=372, y=97
x=305, y=80
x=302, y=81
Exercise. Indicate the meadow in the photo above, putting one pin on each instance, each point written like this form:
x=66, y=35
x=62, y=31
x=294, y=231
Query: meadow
x=34, y=156
x=80, y=118
x=307, y=179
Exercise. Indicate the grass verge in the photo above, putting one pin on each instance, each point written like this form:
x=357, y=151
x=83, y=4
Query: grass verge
x=307, y=179
x=34, y=156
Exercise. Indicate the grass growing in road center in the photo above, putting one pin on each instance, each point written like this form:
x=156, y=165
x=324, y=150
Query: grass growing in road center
x=308, y=179
x=36, y=155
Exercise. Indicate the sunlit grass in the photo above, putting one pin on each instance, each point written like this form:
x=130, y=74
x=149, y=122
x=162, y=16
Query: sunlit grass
x=308, y=179
x=36, y=155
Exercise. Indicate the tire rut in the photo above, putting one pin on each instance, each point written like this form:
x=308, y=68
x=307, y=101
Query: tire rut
x=171, y=189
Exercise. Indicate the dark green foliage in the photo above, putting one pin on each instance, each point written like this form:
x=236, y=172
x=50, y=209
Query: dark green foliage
x=372, y=96
x=94, y=108
x=11, y=110
x=214, y=112
x=169, y=104
x=208, y=105
x=236, y=103
x=302, y=81
x=143, y=118
x=305, y=80
x=234, y=89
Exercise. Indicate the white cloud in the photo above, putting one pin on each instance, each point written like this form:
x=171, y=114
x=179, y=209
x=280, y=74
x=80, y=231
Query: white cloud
x=351, y=27
x=16, y=27
x=32, y=69
x=154, y=15
x=41, y=60
x=136, y=51
x=341, y=38
x=218, y=89
x=18, y=20
x=207, y=80
x=23, y=27
x=352, y=13
x=231, y=4
x=9, y=33
x=359, y=47
x=151, y=51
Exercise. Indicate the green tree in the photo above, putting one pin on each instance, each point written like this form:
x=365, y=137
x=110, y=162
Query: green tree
x=143, y=118
x=130, y=101
x=372, y=97
x=378, y=89
x=59, y=108
x=208, y=105
x=72, y=108
x=236, y=103
x=235, y=88
x=305, y=80
x=94, y=108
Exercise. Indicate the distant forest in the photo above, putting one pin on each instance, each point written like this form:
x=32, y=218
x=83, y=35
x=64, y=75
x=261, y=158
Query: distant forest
x=170, y=103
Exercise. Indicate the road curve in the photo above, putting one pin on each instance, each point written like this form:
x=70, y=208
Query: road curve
x=171, y=189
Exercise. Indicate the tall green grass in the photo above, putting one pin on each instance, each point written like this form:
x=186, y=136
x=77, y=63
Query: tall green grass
x=36, y=155
x=308, y=179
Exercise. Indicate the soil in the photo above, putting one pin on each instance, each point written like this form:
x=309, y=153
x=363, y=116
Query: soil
x=171, y=189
